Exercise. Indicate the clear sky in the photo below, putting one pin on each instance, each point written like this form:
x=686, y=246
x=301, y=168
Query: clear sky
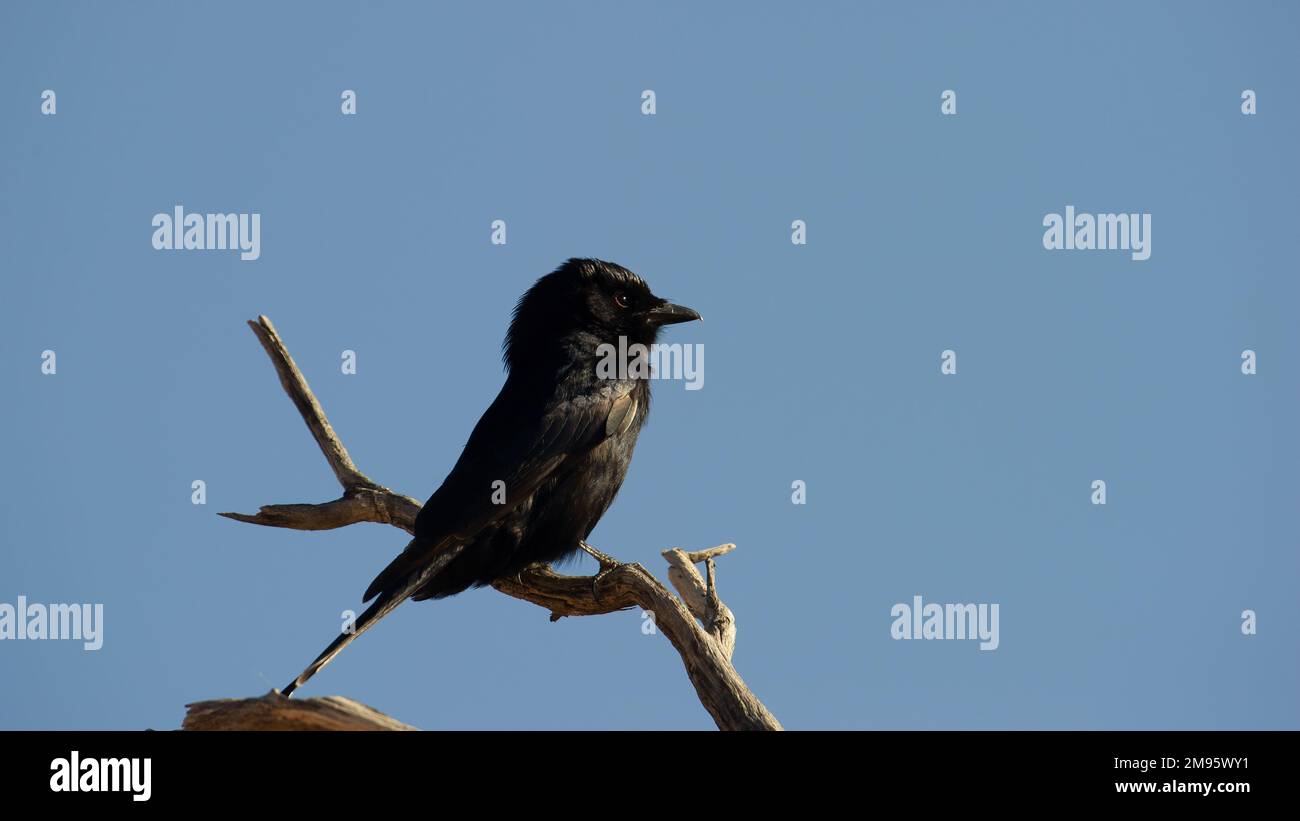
x=924, y=234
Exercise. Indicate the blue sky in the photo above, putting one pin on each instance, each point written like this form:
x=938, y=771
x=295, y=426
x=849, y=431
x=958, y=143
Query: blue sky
x=924, y=234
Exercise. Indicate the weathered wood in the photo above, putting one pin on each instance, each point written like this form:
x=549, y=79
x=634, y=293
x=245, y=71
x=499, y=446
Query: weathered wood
x=705, y=650
x=700, y=595
x=276, y=712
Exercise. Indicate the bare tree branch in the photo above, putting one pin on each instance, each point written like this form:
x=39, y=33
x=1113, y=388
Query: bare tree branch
x=702, y=599
x=295, y=384
x=370, y=504
x=276, y=712
x=705, y=650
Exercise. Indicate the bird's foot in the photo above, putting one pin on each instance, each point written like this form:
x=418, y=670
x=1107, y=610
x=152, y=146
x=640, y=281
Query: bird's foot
x=608, y=564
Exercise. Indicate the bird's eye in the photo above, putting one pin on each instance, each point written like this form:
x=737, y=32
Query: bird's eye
x=622, y=300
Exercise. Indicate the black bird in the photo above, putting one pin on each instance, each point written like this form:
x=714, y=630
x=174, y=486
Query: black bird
x=556, y=444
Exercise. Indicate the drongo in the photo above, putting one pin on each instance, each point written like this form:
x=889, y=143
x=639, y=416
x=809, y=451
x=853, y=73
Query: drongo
x=549, y=454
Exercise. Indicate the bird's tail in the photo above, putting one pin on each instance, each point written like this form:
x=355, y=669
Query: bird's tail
x=386, y=603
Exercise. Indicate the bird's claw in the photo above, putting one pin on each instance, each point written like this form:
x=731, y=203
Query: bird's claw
x=595, y=583
x=606, y=561
x=608, y=564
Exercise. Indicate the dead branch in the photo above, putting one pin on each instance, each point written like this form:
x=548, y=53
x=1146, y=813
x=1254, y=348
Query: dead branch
x=705, y=646
x=276, y=712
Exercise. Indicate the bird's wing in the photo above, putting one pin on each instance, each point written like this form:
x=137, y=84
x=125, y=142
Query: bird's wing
x=516, y=453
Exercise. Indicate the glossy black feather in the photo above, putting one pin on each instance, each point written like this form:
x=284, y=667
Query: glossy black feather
x=559, y=435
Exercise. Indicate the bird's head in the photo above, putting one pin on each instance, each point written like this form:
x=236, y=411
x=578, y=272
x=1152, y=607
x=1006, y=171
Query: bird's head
x=591, y=300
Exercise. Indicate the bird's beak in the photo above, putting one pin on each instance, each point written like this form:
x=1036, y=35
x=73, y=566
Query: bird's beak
x=670, y=314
